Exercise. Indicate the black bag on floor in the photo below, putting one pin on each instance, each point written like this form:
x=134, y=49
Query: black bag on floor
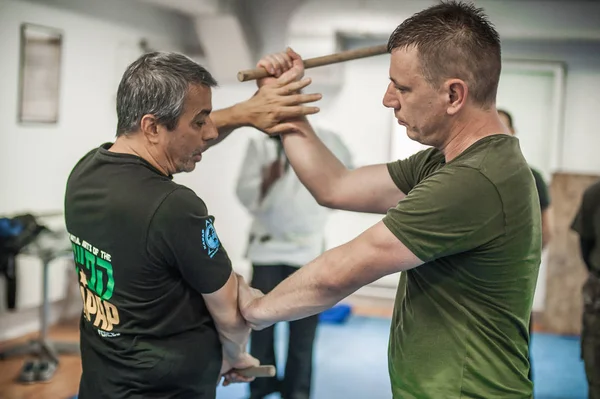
x=15, y=234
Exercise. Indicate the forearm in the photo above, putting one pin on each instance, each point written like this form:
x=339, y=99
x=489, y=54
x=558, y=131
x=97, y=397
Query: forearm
x=227, y=120
x=332, y=276
x=234, y=346
x=231, y=326
x=365, y=189
x=316, y=166
x=234, y=336
x=329, y=278
x=234, y=342
x=307, y=292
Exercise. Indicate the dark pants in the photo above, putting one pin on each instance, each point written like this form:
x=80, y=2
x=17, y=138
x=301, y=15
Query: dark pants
x=590, y=351
x=298, y=369
x=590, y=334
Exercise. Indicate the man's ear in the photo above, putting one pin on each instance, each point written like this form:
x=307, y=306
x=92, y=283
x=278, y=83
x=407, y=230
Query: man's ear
x=149, y=127
x=457, y=92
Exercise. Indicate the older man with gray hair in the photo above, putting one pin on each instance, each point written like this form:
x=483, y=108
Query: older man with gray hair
x=160, y=316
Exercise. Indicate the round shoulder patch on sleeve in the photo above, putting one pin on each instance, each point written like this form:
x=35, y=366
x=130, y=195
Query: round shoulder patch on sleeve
x=210, y=240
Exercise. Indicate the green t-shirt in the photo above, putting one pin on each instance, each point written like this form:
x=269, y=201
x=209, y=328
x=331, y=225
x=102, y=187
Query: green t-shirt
x=460, y=326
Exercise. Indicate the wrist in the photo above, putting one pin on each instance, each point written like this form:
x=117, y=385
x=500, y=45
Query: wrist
x=299, y=126
x=240, y=115
x=232, y=352
x=229, y=119
x=256, y=316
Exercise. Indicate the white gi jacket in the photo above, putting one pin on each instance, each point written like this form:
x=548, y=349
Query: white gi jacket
x=288, y=225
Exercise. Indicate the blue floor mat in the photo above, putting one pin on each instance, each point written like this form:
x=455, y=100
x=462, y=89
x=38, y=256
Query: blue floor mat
x=558, y=371
x=351, y=363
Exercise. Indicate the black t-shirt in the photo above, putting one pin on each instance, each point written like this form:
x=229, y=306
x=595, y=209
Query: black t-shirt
x=145, y=250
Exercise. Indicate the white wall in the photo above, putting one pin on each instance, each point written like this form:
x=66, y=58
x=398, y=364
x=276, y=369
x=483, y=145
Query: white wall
x=581, y=103
x=95, y=53
x=35, y=159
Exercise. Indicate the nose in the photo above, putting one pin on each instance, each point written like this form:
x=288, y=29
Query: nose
x=210, y=130
x=390, y=100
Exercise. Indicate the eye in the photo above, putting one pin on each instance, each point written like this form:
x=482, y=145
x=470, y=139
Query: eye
x=200, y=123
x=401, y=89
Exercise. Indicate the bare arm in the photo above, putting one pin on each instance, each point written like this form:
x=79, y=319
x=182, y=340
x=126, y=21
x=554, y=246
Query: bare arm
x=546, y=227
x=268, y=107
x=329, y=278
x=366, y=189
x=227, y=120
x=233, y=331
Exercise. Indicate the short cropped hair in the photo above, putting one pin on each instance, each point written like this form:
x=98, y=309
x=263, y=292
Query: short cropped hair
x=454, y=40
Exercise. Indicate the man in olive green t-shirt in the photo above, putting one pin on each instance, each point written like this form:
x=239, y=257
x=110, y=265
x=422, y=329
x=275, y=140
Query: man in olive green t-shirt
x=471, y=301
x=461, y=219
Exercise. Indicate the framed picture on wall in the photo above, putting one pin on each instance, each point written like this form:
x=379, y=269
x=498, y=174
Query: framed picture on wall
x=39, y=74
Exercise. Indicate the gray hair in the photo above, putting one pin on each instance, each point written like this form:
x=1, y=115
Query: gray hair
x=157, y=83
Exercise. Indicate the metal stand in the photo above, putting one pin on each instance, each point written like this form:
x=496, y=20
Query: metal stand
x=42, y=346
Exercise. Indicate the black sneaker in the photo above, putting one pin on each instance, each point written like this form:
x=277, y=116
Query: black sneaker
x=45, y=370
x=28, y=373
